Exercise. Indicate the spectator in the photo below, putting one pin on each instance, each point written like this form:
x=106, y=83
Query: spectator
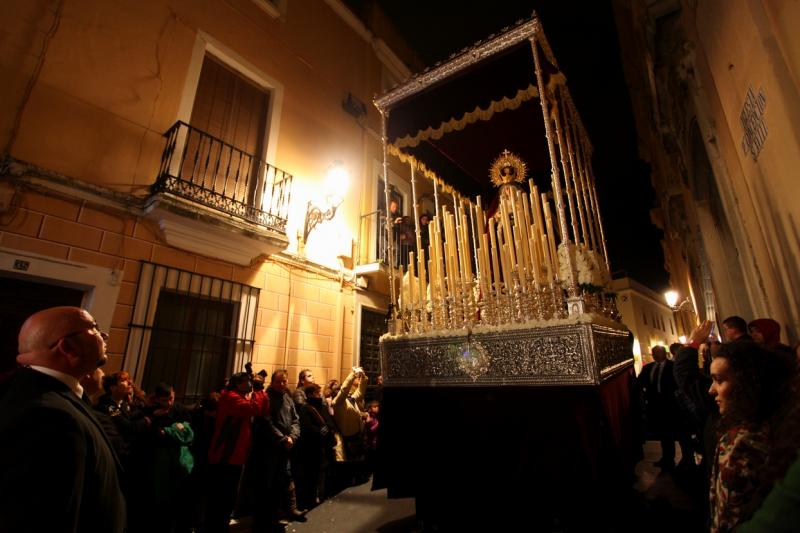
x=115, y=402
x=371, y=424
x=283, y=426
x=349, y=419
x=314, y=449
x=168, y=462
x=657, y=380
x=305, y=379
x=53, y=451
x=746, y=385
x=734, y=328
x=230, y=447
x=767, y=332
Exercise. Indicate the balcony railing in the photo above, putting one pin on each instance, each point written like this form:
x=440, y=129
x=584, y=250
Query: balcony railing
x=211, y=172
x=373, y=246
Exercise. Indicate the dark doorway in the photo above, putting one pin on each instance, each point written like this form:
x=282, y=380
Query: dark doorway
x=373, y=325
x=20, y=300
x=191, y=347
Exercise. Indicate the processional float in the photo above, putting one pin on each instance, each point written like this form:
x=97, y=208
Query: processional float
x=506, y=293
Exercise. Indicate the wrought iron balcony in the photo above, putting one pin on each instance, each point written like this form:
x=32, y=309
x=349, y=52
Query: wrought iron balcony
x=206, y=170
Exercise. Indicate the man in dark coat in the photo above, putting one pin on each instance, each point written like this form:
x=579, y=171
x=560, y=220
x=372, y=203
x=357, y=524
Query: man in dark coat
x=657, y=380
x=283, y=429
x=57, y=468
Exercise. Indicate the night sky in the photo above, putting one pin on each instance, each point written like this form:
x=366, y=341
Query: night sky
x=584, y=41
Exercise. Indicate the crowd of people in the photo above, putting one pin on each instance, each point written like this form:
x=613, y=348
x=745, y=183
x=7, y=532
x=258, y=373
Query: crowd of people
x=80, y=451
x=734, y=409
x=106, y=456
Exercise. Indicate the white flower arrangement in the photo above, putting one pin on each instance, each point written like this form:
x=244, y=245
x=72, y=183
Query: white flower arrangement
x=566, y=274
x=589, y=267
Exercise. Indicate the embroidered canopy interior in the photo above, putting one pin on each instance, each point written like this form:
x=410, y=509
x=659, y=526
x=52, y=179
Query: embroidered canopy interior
x=454, y=119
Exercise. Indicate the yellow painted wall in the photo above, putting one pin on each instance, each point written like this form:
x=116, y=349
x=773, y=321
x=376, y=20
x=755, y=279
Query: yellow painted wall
x=89, y=89
x=112, y=76
x=296, y=324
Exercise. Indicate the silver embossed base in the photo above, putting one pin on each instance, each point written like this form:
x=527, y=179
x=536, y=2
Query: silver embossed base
x=576, y=354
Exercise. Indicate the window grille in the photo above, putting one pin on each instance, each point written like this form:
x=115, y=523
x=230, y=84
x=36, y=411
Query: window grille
x=189, y=330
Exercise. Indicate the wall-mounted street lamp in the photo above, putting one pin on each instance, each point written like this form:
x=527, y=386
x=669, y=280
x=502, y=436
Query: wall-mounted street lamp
x=335, y=188
x=671, y=297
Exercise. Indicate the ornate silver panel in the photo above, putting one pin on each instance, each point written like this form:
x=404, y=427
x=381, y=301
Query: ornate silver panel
x=580, y=354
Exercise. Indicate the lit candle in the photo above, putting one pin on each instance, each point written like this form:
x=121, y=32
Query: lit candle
x=504, y=261
x=412, y=290
x=520, y=239
x=537, y=212
x=465, y=255
x=422, y=279
x=507, y=231
x=533, y=240
x=431, y=284
x=535, y=259
x=494, y=249
x=403, y=298
x=546, y=256
x=440, y=262
x=486, y=272
x=548, y=220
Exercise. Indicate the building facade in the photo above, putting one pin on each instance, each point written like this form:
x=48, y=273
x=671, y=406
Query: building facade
x=649, y=318
x=714, y=86
x=161, y=162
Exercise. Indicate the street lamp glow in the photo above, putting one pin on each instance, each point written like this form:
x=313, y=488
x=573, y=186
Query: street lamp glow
x=671, y=297
x=337, y=180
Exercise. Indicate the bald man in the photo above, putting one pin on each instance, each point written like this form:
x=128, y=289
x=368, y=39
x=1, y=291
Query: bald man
x=57, y=469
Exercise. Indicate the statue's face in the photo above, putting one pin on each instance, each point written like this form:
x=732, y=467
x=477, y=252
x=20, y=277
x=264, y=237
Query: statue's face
x=507, y=171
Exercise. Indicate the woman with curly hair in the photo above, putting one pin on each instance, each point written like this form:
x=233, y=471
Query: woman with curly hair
x=747, y=384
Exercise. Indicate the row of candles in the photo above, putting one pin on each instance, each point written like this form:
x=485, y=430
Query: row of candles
x=515, y=256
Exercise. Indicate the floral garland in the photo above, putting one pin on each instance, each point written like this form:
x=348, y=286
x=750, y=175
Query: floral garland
x=589, y=266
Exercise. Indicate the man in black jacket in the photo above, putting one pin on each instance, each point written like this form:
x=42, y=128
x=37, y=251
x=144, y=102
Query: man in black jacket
x=58, y=471
x=658, y=383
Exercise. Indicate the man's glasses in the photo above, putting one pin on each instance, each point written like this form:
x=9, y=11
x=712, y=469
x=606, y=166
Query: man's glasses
x=94, y=329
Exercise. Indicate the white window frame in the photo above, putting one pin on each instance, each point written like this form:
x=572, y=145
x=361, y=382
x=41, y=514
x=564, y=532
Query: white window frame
x=100, y=285
x=153, y=278
x=204, y=45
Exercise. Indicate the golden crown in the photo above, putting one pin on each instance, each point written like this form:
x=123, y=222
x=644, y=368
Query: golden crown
x=507, y=168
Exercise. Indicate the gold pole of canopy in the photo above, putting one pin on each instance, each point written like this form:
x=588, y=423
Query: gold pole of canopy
x=569, y=129
x=587, y=165
x=599, y=217
x=562, y=150
x=389, y=221
x=559, y=200
x=580, y=148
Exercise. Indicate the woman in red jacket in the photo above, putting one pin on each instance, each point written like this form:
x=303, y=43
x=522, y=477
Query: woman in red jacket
x=230, y=446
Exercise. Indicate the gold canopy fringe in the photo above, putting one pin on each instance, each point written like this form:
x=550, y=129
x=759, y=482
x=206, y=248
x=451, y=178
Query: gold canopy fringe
x=420, y=167
x=497, y=106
